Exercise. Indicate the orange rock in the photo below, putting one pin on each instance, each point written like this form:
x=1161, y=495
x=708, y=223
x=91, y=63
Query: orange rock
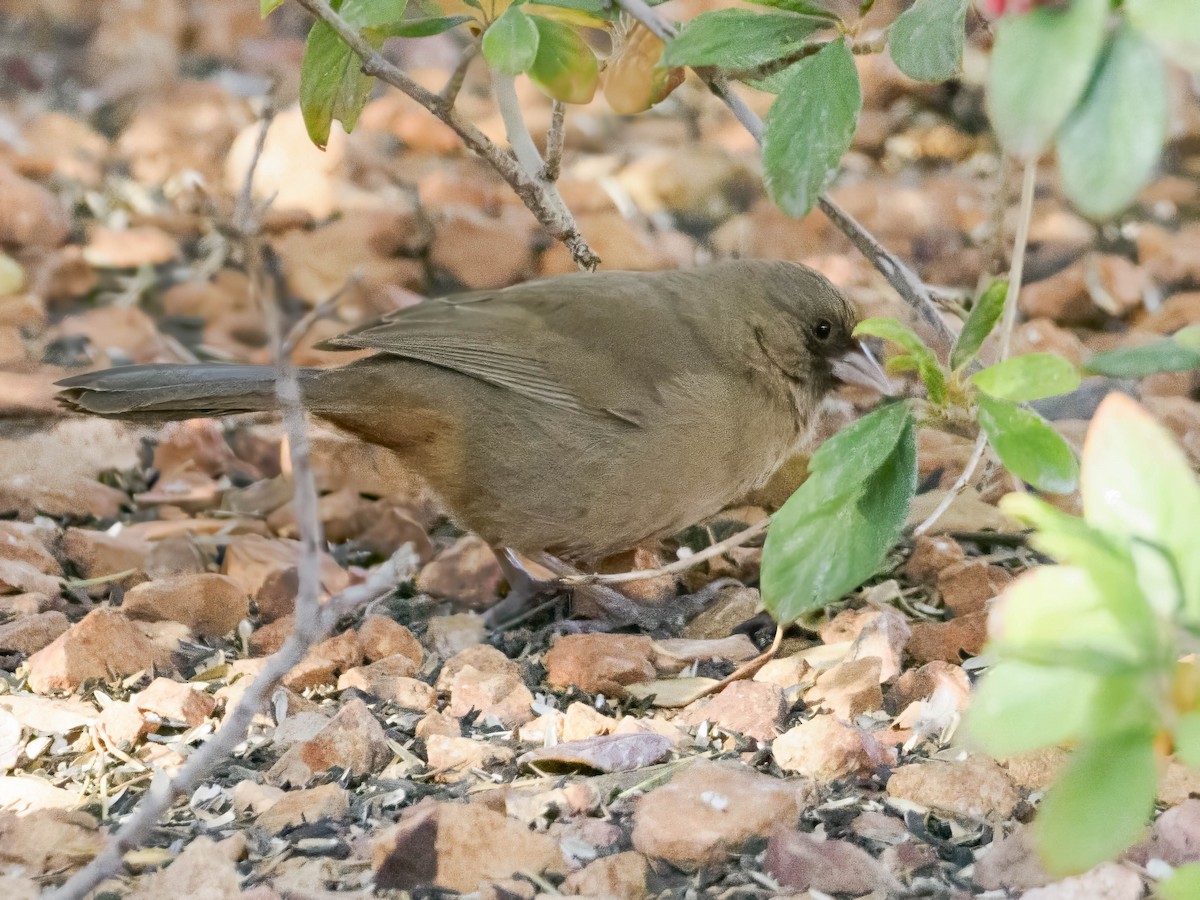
x=599, y=663
x=622, y=875
x=352, y=740
x=207, y=603
x=175, y=700
x=29, y=634
x=824, y=748
x=753, y=708
x=129, y=248
x=967, y=586
x=104, y=644
x=508, y=237
x=467, y=572
x=32, y=216
x=950, y=641
x=849, y=689
x=974, y=788
x=381, y=636
x=315, y=804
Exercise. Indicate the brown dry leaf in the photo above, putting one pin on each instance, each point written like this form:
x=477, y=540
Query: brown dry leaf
x=633, y=81
x=603, y=753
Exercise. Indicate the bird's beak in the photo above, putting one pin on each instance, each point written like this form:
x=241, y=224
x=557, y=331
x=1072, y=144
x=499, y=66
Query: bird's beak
x=858, y=366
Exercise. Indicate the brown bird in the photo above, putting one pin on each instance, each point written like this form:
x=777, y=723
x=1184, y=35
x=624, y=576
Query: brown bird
x=578, y=415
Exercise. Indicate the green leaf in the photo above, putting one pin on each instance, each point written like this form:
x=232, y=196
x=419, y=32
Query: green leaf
x=1182, y=884
x=1100, y=804
x=1020, y=707
x=924, y=358
x=372, y=13
x=1041, y=63
x=1138, y=362
x=1031, y=376
x=1109, y=145
x=1137, y=483
x=739, y=39
x=565, y=67
x=809, y=127
x=510, y=44
x=1027, y=445
x=836, y=530
x=1173, y=25
x=804, y=7
x=423, y=27
x=332, y=85
x=1187, y=739
x=982, y=319
x=1060, y=612
x=599, y=9
x=926, y=40
x=266, y=7
x=1188, y=336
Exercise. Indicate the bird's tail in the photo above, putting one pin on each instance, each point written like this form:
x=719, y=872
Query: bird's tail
x=163, y=393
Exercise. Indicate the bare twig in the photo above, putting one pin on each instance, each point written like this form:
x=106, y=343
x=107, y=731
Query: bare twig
x=555, y=138
x=1016, y=272
x=514, y=125
x=313, y=620
x=682, y=565
x=534, y=193
x=163, y=792
x=900, y=276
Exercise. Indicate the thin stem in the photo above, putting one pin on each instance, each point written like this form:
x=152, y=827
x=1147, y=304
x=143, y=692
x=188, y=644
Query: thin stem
x=911, y=289
x=534, y=193
x=688, y=562
x=555, y=139
x=958, y=487
x=514, y=125
x=450, y=92
x=1016, y=270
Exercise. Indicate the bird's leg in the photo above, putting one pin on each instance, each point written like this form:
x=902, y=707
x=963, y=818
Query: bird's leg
x=523, y=588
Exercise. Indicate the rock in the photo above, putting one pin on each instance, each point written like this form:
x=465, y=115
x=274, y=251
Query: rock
x=805, y=862
x=1175, y=836
x=20, y=577
x=724, y=805
x=203, y=869
x=450, y=635
x=1010, y=863
x=457, y=847
x=23, y=794
x=352, y=740
x=482, y=657
x=975, y=788
x=29, y=634
x=129, y=248
x=753, y=708
x=316, y=804
x=254, y=798
x=599, y=663
x=675, y=654
x=462, y=230
x=438, y=723
x=209, y=604
x=176, y=701
x=344, y=650
x=453, y=757
x=501, y=695
x=122, y=724
x=467, y=573
x=950, y=641
x=731, y=608
x=381, y=636
x=1044, y=336
x=622, y=875
x=104, y=644
x=250, y=559
x=379, y=680
x=21, y=542
x=291, y=170
x=883, y=637
x=1177, y=783
x=966, y=587
x=826, y=749
x=97, y=553
x=1036, y=770
x=930, y=555
x=920, y=684
x=48, y=841
x=312, y=671
x=582, y=721
x=712, y=187
x=46, y=715
x=1108, y=881
x=32, y=216
x=787, y=672
x=849, y=689
x=118, y=330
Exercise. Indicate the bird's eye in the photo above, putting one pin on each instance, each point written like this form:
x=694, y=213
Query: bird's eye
x=823, y=330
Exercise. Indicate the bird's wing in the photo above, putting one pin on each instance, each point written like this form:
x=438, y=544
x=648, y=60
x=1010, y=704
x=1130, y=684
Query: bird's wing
x=525, y=340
